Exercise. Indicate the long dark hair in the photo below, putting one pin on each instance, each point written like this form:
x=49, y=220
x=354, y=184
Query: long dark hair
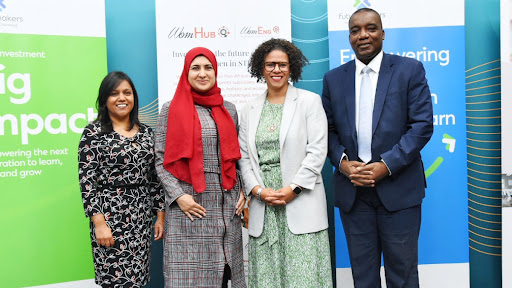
x=109, y=84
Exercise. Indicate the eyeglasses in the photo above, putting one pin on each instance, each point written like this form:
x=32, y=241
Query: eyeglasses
x=283, y=66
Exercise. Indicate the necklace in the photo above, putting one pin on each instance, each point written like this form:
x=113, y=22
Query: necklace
x=273, y=107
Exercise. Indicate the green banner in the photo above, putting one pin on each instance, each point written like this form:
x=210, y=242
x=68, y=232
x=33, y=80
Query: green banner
x=48, y=88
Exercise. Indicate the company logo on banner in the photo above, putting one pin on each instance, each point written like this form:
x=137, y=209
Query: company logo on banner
x=362, y=4
x=259, y=31
x=394, y=15
x=223, y=31
x=200, y=32
x=343, y=14
x=19, y=17
x=8, y=20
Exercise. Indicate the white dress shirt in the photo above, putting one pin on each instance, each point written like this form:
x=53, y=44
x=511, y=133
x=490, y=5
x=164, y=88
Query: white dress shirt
x=374, y=77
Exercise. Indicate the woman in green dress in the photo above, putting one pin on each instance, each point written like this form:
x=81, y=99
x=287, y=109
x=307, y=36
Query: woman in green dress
x=283, y=140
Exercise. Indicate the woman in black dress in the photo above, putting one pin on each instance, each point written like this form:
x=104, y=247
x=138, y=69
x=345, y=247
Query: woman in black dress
x=120, y=189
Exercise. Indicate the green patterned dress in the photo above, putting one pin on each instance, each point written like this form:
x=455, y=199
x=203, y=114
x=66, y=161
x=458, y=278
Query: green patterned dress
x=279, y=258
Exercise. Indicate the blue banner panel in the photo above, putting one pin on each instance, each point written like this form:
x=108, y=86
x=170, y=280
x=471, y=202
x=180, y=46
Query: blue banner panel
x=444, y=231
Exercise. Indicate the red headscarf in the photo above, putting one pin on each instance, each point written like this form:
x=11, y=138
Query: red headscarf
x=184, y=146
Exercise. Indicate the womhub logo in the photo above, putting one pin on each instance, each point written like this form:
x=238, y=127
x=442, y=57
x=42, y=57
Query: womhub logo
x=2, y=5
x=223, y=31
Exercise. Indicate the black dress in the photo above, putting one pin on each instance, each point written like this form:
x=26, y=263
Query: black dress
x=118, y=179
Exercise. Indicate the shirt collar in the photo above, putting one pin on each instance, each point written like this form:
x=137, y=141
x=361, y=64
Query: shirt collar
x=374, y=64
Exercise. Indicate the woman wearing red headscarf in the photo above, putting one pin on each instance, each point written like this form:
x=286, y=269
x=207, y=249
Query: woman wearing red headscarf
x=196, y=154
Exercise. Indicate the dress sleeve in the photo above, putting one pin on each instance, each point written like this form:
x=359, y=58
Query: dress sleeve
x=88, y=164
x=155, y=187
x=170, y=184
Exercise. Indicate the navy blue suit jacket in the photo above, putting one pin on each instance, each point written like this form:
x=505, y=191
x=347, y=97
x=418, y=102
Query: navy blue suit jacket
x=402, y=124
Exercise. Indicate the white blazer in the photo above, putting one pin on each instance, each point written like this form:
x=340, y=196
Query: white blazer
x=303, y=147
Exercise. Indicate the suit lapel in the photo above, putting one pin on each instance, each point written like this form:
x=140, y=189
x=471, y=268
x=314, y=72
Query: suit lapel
x=290, y=103
x=349, y=91
x=254, y=120
x=385, y=74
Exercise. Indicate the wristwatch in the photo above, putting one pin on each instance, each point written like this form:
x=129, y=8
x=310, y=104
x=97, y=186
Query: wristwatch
x=296, y=189
x=258, y=193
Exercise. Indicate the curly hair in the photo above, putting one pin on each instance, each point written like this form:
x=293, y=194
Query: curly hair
x=296, y=58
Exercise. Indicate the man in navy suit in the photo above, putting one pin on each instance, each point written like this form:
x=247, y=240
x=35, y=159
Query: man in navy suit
x=379, y=181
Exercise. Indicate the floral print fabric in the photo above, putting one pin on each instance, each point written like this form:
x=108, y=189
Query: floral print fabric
x=279, y=258
x=118, y=179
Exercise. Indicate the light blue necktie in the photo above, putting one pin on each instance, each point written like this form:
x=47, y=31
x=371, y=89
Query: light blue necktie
x=364, y=127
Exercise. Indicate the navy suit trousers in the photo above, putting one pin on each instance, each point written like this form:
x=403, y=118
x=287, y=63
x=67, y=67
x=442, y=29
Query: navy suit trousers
x=372, y=232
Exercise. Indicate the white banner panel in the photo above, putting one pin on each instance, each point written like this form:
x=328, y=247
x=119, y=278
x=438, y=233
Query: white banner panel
x=506, y=86
x=232, y=29
x=53, y=17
